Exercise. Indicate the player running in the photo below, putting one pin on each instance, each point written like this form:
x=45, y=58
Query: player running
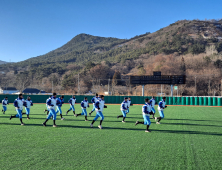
x=146, y=109
x=19, y=103
x=161, y=107
x=129, y=104
x=4, y=104
x=94, y=100
x=84, y=105
x=60, y=101
x=123, y=108
x=47, y=107
x=99, y=105
x=72, y=102
x=28, y=104
x=153, y=102
x=52, y=106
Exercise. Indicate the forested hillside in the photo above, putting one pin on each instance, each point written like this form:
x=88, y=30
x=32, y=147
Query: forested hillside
x=184, y=47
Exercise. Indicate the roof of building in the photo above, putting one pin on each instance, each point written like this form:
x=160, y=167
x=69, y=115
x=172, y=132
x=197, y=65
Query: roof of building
x=30, y=90
x=8, y=88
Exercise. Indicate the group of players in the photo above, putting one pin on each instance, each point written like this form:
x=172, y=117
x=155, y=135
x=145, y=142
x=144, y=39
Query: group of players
x=54, y=106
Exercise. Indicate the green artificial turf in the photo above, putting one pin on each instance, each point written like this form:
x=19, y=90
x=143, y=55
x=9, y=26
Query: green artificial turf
x=187, y=138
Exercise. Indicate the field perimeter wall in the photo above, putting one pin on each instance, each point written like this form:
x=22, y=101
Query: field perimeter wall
x=197, y=101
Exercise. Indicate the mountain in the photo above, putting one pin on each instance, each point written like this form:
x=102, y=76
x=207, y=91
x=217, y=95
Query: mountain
x=2, y=62
x=138, y=55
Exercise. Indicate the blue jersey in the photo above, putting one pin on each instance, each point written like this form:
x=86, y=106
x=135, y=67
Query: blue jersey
x=4, y=102
x=59, y=102
x=84, y=104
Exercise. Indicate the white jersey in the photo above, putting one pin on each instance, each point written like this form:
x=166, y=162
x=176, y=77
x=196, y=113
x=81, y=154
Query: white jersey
x=101, y=104
x=46, y=103
x=95, y=99
x=84, y=104
x=28, y=104
x=124, y=105
x=129, y=103
x=153, y=102
x=4, y=102
x=72, y=101
x=146, y=109
x=19, y=103
x=52, y=103
x=161, y=105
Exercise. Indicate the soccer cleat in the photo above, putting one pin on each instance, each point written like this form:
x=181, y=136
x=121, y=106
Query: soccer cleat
x=157, y=122
x=100, y=126
x=54, y=126
x=10, y=118
x=28, y=118
x=155, y=118
x=147, y=131
x=123, y=121
x=136, y=122
x=22, y=124
x=86, y=120
x=89, y=114
x=91, y=125
x=66, y=113
x=44, y=124
x=75, y=115
x=117, y=117
x=62, y=118
x=44, y=111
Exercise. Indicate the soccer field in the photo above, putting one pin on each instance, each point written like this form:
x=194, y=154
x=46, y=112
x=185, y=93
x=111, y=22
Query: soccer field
x=187, y=138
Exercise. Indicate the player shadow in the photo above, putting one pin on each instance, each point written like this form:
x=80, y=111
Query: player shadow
x=117, y=128
x=187, y=132
x=120, y=120
x=190, y=124
x=192, y=120
x=37, y=114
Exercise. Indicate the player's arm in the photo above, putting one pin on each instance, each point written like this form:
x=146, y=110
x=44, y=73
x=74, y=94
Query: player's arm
x=15, y=104
x=70, y=101
x=49, y=103
x=97, y=105
x=82, y=105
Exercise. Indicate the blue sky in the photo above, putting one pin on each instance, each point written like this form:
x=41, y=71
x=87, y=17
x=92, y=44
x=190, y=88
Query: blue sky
x=29, y=28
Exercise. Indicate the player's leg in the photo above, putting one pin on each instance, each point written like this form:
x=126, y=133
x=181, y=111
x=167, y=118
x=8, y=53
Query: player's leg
x=19, y=115
x=73, y=109
x=54, y=118
x=147, y=122
x=101, y=120
x=48, y=117
x=69, y=109
x=94, y=108
x=96, y=117
x=59, y=110
x=85, y=114
x=46, y=109
x=4, y=109
x=138, y=122
x=124, y=115
x=27, y=112
x=121, y=115
x=158, y=119
x=154, y=111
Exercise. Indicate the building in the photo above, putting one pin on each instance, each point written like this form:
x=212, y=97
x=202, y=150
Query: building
x=33, y=91
x=30, y=91
x=8, y=90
